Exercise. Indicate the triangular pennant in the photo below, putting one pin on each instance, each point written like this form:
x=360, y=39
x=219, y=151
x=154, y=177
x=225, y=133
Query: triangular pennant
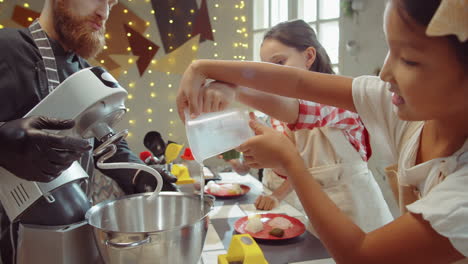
x=24, y=16
x=202, y=24
x=175, y=21
x=141, y=47
x=178, y=60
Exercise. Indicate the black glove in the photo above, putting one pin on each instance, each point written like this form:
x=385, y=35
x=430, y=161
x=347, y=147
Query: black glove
x=36, y=155
x=145, y=182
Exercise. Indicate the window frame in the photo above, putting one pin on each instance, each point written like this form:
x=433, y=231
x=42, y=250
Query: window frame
x=293, y=7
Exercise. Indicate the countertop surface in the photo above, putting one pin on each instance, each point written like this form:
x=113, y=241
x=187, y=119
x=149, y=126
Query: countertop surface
x=304, y=249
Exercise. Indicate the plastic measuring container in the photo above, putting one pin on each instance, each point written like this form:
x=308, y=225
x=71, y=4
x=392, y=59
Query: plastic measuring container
x=211, y=134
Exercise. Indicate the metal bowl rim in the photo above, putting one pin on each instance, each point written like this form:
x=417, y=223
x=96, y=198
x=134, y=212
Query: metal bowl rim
x=105, y=203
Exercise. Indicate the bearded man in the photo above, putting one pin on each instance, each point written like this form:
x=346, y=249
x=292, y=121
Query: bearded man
x=33, y=62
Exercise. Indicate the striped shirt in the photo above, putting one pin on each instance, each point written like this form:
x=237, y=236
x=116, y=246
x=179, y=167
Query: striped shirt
x=312, y=115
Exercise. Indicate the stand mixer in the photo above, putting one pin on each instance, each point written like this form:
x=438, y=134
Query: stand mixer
x=52, y=227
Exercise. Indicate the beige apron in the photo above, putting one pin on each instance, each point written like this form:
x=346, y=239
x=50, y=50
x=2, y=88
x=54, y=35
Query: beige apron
x=408, y=194
x=342, y=173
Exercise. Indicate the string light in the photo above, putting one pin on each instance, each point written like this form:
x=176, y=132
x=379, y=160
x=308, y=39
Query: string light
x=153, y=95
x=151, y=84
x=131, y=85
x=149, y=111
x=130, y=96
x=171, y=110
x=30, y=19
x=125, y=11
x=170, y=134
x=169, y=85
x=150, y=120
x=1, y=26
x=25, y=5
x=131, y=122
x=152, y=12
x=105, y=47
x=130, y=61
x=103, y=61
x=129, y=135
x=171, y=122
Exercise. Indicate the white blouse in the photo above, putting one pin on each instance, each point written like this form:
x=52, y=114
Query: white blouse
x=442, y=182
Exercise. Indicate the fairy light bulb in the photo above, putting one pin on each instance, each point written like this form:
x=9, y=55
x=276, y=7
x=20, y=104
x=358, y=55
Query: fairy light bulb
x=130, y=96
x=171, y=110
x=149, y=111
x=150, y=120
x=130, y=61
x=25, y=5
x=125, y=11
x=151, y=84
x=131, y=122
x=153, y=95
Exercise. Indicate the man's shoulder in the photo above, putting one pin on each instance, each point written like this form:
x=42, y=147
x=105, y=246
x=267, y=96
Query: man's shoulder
x=16, y=41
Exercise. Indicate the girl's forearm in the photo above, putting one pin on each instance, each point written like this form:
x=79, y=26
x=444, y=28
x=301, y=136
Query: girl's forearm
x=283, y=190
x=282, y=80
x=285, y=109
x=338, y=233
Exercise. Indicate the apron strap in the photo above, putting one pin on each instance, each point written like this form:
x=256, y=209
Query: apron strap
x=47, y=54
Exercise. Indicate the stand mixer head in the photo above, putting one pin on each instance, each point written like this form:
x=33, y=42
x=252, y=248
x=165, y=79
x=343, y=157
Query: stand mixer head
x=95, y=100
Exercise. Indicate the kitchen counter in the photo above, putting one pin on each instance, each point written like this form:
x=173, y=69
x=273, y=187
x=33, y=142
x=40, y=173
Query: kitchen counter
x=305, y=249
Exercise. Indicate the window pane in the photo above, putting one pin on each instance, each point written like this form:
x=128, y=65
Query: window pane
x=307, y=10
x=329, y=36
x=257, y=41
x=336, y=69
x=261, y=14
x=279, y=11
x=329, y=9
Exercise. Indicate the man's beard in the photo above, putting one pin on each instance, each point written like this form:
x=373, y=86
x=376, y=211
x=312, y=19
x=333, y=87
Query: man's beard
x=76, y=33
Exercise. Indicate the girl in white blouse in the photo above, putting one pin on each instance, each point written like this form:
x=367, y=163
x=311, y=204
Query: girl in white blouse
x=418, y=112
